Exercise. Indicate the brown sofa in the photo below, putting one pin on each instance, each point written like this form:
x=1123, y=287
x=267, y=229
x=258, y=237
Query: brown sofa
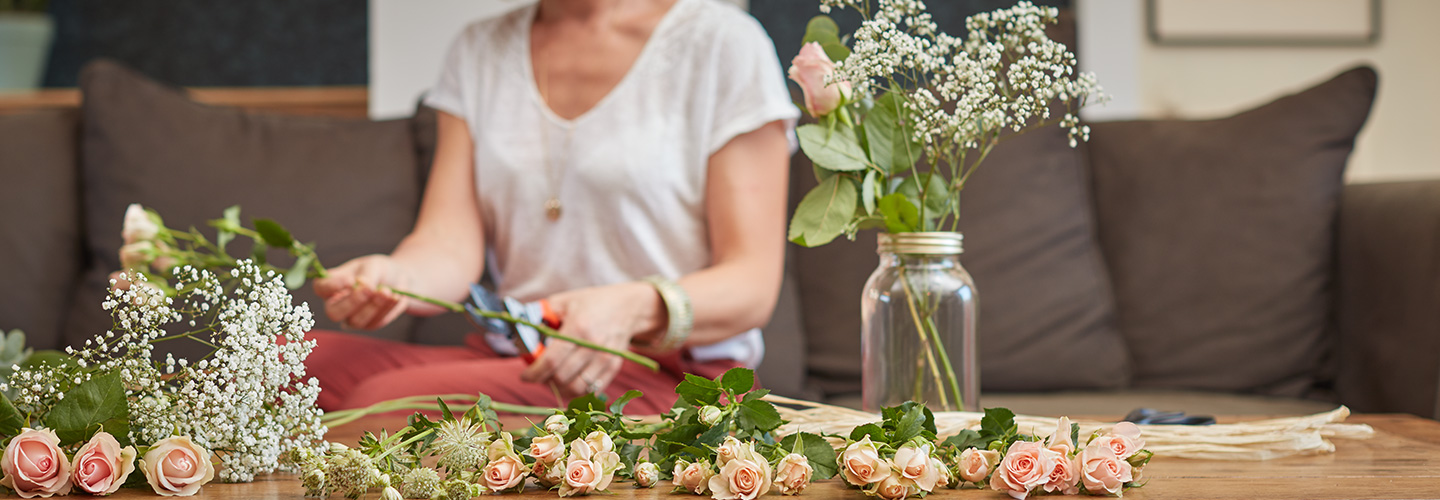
x=1214, y=266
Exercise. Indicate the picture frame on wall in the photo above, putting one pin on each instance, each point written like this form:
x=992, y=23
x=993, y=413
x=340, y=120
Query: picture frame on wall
x=1263, y=22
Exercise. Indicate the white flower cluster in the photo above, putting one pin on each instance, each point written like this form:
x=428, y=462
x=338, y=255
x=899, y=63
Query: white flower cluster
x=249, y=400
x=1002, y=75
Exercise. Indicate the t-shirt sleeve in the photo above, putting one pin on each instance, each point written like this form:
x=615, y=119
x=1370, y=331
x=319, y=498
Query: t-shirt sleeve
x=448, y=93
x=751, y=90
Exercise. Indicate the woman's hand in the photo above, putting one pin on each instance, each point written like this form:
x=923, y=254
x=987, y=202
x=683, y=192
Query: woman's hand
x=358, y=293
x=609, y=316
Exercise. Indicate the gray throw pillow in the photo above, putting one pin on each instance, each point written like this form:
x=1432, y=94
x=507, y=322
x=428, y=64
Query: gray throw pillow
x=1220, y=237
x=351, y=186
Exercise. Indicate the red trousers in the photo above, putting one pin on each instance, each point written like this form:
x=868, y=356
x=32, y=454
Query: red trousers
x=356, y=371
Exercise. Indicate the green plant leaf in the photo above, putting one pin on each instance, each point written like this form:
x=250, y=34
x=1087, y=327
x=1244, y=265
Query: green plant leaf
x=258, y=252
x=758, y=415
x=94, y=404
x=823, y=30
x=618, y=406
x=869, y=192
x=998, y=423
x=966, y=439
x=910, y=425
x=295, y=277
x=699, y=390
x=49, y=358
x=588, y=402
x=273, y=233
x=11, y=420
x=225, y=232
x=817, y=450
x=874, y=431
x=738, y=380
x=824, y=212
x=837, y=149
x=756, y=395
x=937, y=194
x=901, y=216
x=880, y=127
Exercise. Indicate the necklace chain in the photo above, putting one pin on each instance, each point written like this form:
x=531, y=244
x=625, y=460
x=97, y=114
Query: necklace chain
x=553, y=175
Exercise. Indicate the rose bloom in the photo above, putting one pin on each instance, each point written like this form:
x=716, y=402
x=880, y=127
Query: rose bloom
x=742, y=478
x=176, y=466
x=862, y=464
x=34, y=466
x=1065, y=477
x=913, y=463
x=137, y=225
x=1123, y=440
x=600, y=441
x=557, y=424
x=588, y=470
x=548, y=475
x=1060, y=441
x=947, y=477
x=546, y=449
x=504, y=472
x=809, y=69
x=646, y=475
x=1102, y=471
x=793, y=474
x=101, y=466
x=1026, y=466
x=894, y=487
x=727, y=451
x=975, y=464
x=694, y=477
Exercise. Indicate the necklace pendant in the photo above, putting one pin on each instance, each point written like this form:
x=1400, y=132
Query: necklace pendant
x=552, y=209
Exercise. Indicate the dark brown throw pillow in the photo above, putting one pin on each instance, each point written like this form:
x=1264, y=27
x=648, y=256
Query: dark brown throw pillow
x=348, y=185
x=1220, y=237
x=1046, y=319
x=40, y=233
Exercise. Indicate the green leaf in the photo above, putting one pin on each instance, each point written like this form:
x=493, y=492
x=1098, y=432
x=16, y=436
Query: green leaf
x=738, y=380
x=937, y=193
x=97, y=403
x=445, y=409
x=618, y=406
x=225, y=232
x=824, y=31
x=998, y=422
x=756, y=395
x=901, y=216
x=11, y=420
x=837, y=149
x=699, y=390
x=258, y=251
x=910, y=425
x=966, y=439
x=824, y=212
x=629, y=455
x=588, y=402
x=759, y=415
x=49, y=358
x=874, y=431
x=817, y=450
x=881, y=132
x=869, y=191
x=273, y=233
x=295, y=277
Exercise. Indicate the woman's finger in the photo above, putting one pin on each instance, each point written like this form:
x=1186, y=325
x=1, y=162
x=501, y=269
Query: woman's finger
x=382, y=304
x=543, y=368
x=341, y=305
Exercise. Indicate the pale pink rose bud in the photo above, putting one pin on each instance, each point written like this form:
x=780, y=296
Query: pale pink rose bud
x=976, y=464
x=176, y=466
x=727, y=451
x=1102, y=472
x=646, y=475
x=913, y=463
x=741, y=479
x=693, y=476
x=809, y=69
x=34, y=466
x=1060, y=441
x=793, y=474
x=137, y=255
x=1026, y=466
x=1065, y=477
x=947, y=477
x=557, y=424
x=138, y=225
x=546, y=449
x=861, y=463
x=549, y=475
x=895, y=487
x=709, y=415
x=101, y=466
x=600, y=441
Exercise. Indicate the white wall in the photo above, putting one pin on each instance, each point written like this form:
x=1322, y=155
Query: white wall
x=1401, y=140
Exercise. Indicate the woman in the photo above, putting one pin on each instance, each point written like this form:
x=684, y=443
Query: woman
x=587, y=145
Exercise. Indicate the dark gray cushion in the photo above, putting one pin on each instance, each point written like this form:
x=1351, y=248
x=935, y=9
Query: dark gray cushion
x=1046, y=318
x=40, y=233
x=1220, y=237
x=349, y=185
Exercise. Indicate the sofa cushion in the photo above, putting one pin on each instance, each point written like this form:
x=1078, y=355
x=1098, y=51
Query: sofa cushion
x=1046, y=319
x=349, y=185
x=1220, y=237
x=40, y=251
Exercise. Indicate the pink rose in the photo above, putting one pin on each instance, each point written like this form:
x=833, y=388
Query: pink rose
x=1103, y=472
x=1026, y=466
x=547, y=449
x=793, y=474
x=1060, y=441
x=137, y=255
x=727, y=451
x=504, y=472
x=694, y=477
x=34, y=466
x=581, y=475
x=101, y=466
x=862, y=464
x=1065, y=477
x=894, y=487
x=176, y=466
x=138, y=225
x=646, y=475
x=913, y=463
x=1123, y=440
x=809, y=69
x=548, y=475
x=947, y=478
x=975, y=464
x=587, y=469
x=741, y=478
x=600, y=441
x=557, y=424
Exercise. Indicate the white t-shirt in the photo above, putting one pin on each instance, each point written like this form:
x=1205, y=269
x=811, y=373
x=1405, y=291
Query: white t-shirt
x=630, y=172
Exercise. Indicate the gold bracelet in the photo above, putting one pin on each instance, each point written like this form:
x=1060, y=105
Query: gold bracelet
x=681, y=316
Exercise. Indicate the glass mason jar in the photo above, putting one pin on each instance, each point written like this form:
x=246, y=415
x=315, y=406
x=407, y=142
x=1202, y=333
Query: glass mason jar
x=918, y=325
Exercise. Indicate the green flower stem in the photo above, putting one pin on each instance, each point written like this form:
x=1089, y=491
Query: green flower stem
x=544, y=330
x=405, y=443
x=920, y=329
x=425, y=402
x=949, y=369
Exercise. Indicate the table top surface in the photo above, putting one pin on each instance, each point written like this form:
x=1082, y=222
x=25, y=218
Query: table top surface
x=1401, y=461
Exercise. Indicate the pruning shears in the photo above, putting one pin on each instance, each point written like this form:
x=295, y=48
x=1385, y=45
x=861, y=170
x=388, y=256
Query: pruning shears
x=502, y=334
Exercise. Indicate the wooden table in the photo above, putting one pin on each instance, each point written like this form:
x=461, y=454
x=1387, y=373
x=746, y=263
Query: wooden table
x=1401, y=461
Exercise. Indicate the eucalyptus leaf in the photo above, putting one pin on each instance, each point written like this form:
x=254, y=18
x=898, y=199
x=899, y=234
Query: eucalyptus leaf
x=824, y=212
x=937, y=194
x=900, y=213
x=273, y=233
x=295, y=277
x=225, y=232
x=837, y=149
x=869, y=192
